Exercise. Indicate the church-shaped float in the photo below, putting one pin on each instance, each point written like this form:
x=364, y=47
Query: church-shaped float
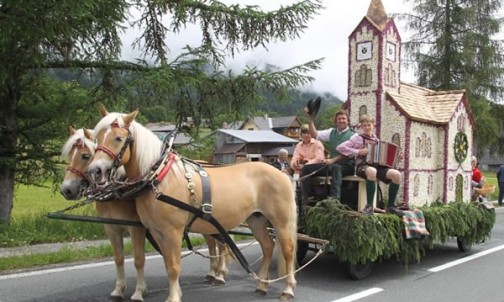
x=434, y=129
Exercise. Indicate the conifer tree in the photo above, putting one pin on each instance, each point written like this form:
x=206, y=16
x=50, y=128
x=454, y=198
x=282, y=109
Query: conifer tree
x=454, y=46
x=41, y=38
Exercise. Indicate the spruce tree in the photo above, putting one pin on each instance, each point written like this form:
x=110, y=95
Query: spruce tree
x=39, y=39
x=454, y=46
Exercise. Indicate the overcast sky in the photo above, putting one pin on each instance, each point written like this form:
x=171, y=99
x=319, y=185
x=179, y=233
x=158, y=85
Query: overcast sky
x=326, y=37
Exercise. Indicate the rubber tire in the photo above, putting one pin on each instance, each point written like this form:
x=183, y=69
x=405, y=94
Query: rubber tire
x=302, y=250
x=463, y=245
x=360, y=271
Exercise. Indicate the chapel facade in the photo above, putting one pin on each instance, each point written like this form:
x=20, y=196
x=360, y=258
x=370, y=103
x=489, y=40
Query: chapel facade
x=434, y=129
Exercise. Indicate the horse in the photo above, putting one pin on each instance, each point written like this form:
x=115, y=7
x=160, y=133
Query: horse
x=237, y=193
x=79, y=149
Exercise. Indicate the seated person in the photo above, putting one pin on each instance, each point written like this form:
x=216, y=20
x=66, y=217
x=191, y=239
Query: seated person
x=282, y=161
x=477, y=180
x=356, y=147
x=336, y=165
x=477, y=177
x=308, y=151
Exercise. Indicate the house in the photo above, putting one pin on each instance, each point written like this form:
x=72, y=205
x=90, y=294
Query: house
x=234, y=146
x=285, y=125
x=434, y=129
x=161, y=130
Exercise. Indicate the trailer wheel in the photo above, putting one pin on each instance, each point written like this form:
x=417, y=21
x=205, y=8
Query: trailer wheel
x=360, y=271
x=463, y=245
x=302, y=249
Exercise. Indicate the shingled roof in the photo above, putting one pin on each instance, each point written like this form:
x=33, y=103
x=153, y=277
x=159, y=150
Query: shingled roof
x=425, y=105
x=376, y=14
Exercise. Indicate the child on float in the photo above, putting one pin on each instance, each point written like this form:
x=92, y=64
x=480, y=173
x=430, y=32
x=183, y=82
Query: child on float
x=357, y=147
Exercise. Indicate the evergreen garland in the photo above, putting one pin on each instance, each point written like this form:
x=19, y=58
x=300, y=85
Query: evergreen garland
x=358, y=238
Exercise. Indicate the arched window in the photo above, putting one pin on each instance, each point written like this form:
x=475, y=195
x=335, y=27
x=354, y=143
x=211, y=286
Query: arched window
x=362, y=110
x=424, y=144
x=418, y=145
x=459, y=188
x=396, y=139
x=429, y=148
x=430, y=185
x=416, y=187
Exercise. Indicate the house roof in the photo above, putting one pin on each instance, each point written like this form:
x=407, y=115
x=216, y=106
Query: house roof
x=425, y=105
x=268, y=123
x=161, y=130
x=229, y=148
x=376, y=14
x=258, y=136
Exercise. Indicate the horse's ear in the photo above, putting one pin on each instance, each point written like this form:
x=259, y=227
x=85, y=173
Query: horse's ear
x=130, y=117
x=88, y=134
x=71, y=130
x=103, y=110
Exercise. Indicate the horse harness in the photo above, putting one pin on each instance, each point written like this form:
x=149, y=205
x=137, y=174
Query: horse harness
x=201, y=210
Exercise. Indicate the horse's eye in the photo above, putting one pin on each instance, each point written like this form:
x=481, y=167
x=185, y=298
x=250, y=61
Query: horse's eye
x=85, y=156
x=119, y=139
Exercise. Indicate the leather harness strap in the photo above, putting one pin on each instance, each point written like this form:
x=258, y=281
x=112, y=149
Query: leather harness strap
x=209, y=218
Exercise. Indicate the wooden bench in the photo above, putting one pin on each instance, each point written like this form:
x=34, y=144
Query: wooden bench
x=362, y=191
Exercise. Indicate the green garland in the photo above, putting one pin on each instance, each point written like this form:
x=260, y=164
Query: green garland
x=358, y=238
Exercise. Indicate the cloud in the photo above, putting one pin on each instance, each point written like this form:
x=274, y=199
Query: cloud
x=326, y=37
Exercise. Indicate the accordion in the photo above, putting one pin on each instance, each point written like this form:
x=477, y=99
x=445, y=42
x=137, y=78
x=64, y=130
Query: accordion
x=382, y=154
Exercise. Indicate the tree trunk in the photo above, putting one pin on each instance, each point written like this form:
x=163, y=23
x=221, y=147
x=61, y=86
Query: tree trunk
x=6, y=195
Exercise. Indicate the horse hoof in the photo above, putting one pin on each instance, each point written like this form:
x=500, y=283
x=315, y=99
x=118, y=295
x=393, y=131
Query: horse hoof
x=116, y=298
x=286, y=297
x=260, y=293
x=219, y=282
x=209, y=279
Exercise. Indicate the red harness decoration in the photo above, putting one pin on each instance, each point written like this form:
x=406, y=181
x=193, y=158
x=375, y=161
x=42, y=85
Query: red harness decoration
x=166, y=168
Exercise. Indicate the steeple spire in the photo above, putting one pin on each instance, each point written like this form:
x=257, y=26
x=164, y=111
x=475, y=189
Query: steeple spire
x=376, y=13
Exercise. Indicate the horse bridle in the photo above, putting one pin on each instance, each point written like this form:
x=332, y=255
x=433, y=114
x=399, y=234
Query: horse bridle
x=117, y=157
x=84, y=178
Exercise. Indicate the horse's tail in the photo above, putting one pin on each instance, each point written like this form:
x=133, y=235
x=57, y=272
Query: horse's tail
x=282, y=265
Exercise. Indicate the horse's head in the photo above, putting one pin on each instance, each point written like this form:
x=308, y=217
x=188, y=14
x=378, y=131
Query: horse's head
x=114, y=142
x=79, y=150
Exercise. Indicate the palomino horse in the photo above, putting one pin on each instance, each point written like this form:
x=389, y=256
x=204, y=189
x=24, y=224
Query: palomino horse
x=236, y=191
x=80, y=149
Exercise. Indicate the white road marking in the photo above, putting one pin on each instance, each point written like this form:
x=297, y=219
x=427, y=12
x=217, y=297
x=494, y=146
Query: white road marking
x=360, y=295
x=466, y=259
x=90, y=265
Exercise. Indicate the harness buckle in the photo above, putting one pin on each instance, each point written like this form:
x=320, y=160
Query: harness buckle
x=207, y=208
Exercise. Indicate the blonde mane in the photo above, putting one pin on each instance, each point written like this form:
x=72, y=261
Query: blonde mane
x=148, y=145
x=78, y=135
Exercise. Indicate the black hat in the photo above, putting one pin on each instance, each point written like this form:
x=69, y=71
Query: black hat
x=313, y=106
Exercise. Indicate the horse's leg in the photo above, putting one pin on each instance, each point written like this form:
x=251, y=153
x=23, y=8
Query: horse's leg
x=214, y=262
x=138, y=241
x=258, y=224
x=115, y=235
x=286, y=239
x=171, y=249
x=225, y=258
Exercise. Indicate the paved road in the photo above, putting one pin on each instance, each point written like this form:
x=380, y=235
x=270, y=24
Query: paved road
x=444, y=274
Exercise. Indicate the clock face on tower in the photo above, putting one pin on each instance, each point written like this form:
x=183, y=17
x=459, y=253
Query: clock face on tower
x=364, y=51
x=391, y=51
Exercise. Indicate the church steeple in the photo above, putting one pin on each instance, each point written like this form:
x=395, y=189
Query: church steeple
x=376, y=14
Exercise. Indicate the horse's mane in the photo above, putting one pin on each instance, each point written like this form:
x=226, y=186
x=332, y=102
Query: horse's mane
x=78, y=135
x=148, y=145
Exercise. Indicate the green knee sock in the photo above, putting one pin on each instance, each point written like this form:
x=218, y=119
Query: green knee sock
x=370, y=191
x=392, y=193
